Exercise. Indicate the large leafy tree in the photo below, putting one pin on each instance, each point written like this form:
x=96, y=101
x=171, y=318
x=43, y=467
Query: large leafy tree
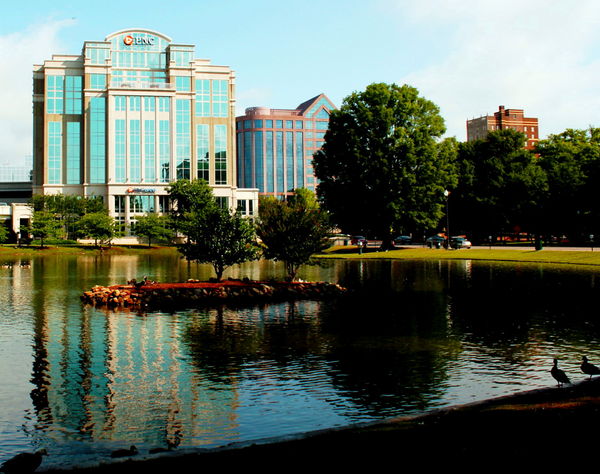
x=98, y=226
x=188, y=196
x=501, y=186
x=67, y=209
x=152, y=227
x=211, y=234
x=293, y=231
x=44, y=226
x=219, y=237
x=382, y=168
x=571, y=161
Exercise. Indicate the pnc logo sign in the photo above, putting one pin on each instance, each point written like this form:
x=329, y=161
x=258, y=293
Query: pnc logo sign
x=129, y=40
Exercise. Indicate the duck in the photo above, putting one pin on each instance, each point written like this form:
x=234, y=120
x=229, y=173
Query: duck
x=23, y=462
x=588, y=368
x=558, y=374
x=121, y=453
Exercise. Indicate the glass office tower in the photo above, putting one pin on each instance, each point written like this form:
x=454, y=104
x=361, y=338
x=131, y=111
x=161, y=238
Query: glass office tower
x=129, y=115
x=275, y=146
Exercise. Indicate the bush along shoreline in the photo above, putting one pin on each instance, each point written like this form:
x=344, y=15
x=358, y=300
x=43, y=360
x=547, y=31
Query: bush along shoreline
x=150, y=295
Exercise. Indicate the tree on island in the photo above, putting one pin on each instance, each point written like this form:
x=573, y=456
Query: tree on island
x=382, y=168
x=212, y=235
x=44, y=226
x=152, y=226
x=98, y=226
x=292, y=231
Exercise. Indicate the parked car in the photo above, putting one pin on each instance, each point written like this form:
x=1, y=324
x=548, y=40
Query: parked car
x=460, y=243
x=435, y=241
x=402, y=240
x=358, y=239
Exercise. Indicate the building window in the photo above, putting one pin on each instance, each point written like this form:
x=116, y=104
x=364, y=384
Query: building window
x=73, y=153
x=120, y=151
x=299, y=160
x=54, y=152
x=279, y=162
x=289, y=124
x=269, y=124
x=278, y=123
x=135, y=152
x=149, y=151
x=183, y=83
x=258, y=124
x=299, y=124
x=202, y=98
x=134, y=103
x=220, y=98
x=182, y=138
x=164, y=104
x=119, y=204
x=54, y=94
x=202, y=152
x=120, y=103
x=222, y=202
x=98, y=81
x=164, y=150
x=220, y=154
x=149, y=104
x=269, y=162
x=258, y=160
x=97, y=140
x=141, y=204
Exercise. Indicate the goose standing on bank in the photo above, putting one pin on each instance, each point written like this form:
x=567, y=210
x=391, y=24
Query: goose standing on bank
x=23, y=462
x=588, y=368
x=558, y=374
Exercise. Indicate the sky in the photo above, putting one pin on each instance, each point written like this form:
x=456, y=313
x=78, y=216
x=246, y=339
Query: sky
x=467, y=56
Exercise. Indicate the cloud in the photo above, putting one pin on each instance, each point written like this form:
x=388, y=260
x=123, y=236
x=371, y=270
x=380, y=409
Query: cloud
x=537, y=55
x=19, y=51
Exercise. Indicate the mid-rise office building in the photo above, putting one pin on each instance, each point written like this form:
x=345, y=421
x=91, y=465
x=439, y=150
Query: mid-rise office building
x=275, y=147
x=478, y=128
x=129, y=115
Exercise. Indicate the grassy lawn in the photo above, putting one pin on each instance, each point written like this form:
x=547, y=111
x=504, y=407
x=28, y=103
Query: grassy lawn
x=507, y=255
x=9, y=250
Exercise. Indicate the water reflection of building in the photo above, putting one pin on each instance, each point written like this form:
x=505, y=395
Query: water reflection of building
x=122, y=377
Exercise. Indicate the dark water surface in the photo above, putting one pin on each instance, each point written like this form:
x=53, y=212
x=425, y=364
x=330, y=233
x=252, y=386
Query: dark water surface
x=412, y=336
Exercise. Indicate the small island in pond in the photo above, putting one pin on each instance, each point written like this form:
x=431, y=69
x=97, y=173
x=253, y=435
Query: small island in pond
x=150, y=295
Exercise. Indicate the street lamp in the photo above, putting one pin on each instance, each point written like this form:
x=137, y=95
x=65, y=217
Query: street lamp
x=447, y=195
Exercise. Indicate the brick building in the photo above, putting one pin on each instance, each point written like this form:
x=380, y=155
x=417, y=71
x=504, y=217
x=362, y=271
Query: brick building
x=478, y=128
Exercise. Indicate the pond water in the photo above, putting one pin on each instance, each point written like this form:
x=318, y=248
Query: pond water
x=410, y=337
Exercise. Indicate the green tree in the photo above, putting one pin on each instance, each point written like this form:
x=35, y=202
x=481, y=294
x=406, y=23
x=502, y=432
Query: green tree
x=67, y=209
x=500, y=189
x=98, y=226
x=218, y=237
x=152, y=226
x=382, y=168
x=212, y=235
x=188, y=196
x=293, y=231
x=571, y=161
x=3, y=231
x=44, y=226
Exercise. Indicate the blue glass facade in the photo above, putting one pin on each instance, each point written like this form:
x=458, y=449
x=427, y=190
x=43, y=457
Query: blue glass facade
x=275, y=154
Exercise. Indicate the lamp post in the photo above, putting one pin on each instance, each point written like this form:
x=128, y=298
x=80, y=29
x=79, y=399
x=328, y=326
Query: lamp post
x=447, y=195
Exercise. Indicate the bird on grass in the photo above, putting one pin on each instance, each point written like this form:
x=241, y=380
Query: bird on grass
x=23, y=462
x=558, y=374
x=588, y=368
x=121, y=453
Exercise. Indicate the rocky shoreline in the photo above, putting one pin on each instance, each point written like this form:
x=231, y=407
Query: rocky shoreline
x=149, y=295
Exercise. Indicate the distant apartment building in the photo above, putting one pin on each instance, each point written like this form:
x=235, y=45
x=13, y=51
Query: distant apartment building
x=275, y=147
x=478, y=128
